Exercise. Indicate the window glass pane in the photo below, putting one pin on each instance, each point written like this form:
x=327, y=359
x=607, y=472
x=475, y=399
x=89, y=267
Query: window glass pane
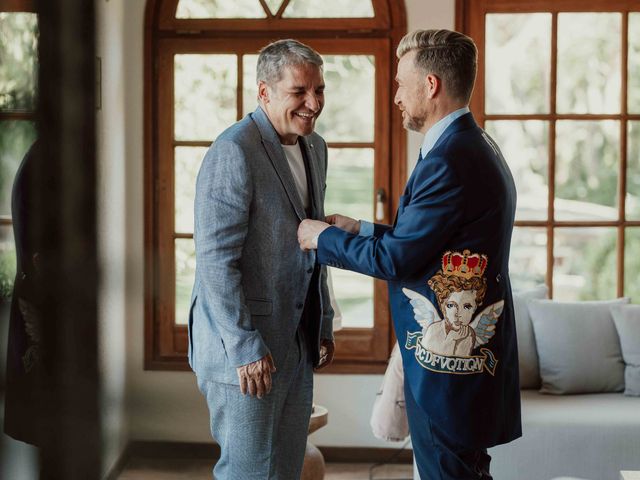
x=7, y=262
x=525, y=146
x=518, y=63
x=274, y=5
x=589, y=62
x=587, y=163
x=185, y=276
x=220, y=9
x=633, y=171
x=584, y=264
x=329, y=9
x=632, y=264
x=354, y=296
x=348, y=114
x=187, y=164
x=205, y=95
x=15, y=139
x=634, y=63
x=18, y=61
x=528, y=259
x=350, y=192
x=350, y=183
x=249, y=86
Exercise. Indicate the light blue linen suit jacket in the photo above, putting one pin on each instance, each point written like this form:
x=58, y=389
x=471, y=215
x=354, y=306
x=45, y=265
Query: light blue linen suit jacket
x=251, y=277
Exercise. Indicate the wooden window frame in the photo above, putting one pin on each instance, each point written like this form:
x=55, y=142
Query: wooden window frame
x=15, y=6
x=358, y=350
x=470, y=19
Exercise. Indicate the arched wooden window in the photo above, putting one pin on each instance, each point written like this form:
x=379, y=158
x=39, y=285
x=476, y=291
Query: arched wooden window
x=558, y=88
x=200, y=78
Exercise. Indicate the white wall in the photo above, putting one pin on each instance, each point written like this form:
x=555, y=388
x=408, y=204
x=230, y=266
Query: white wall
x=167, y=405
x=112, y=170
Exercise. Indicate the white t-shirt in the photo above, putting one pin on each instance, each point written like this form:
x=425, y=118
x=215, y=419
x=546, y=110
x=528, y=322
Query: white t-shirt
x=296, y=163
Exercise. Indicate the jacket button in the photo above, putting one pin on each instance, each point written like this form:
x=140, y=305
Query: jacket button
x=299, y=306
x=498, y=278
x=310, y=270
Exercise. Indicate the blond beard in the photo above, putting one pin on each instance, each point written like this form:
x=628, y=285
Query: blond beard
x=414, y=124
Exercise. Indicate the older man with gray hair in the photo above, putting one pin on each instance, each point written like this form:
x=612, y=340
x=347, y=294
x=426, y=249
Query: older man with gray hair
x=260, y=317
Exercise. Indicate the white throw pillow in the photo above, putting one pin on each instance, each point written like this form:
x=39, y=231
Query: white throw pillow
x=627, y=322
x=527, y=353
x=578, y=346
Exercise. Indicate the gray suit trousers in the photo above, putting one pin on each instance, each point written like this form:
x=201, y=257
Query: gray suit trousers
x=264, y=439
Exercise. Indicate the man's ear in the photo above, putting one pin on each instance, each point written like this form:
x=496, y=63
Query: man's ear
x=263, y=92
x=433, y=85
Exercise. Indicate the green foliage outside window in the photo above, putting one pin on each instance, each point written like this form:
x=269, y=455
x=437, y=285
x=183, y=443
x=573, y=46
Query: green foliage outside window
x=18, y=93
x=18, y=61
x=7, y=273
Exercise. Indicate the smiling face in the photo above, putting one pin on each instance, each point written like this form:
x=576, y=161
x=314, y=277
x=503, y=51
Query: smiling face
x=294, y=102
x=411, y=96
x=459, y=307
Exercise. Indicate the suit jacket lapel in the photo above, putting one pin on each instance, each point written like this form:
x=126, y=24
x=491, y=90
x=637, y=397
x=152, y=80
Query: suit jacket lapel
x=313, y=166
x=272, y=146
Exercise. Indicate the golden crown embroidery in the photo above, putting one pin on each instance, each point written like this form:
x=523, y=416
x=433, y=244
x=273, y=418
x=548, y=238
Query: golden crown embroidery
x=446, y=345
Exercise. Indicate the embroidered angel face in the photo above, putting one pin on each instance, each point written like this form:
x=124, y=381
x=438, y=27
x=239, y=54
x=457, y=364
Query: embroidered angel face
x=459, y=307
x=460, y=289
x=458, y=297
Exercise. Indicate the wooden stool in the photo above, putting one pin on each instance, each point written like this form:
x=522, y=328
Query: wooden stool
x=313, y=467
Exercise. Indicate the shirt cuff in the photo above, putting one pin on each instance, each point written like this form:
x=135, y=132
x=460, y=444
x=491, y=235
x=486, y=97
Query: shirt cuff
x=314, y=241
x=366, y=228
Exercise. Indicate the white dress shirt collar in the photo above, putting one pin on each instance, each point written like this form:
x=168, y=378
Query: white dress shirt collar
x=435, y=132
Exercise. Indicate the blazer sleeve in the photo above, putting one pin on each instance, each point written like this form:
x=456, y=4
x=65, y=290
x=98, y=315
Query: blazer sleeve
x=368, y=229
x=222, y=205
x=423, y=227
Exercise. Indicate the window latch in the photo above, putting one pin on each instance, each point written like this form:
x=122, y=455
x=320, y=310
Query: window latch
x=380, y=199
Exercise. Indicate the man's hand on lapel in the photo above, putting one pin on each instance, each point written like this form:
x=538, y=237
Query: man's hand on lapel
x=308, y=233
x=255, y=378
x=327, y=348
x=343, y=222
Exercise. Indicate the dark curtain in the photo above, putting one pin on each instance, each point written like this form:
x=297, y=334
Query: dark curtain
x=65, y=224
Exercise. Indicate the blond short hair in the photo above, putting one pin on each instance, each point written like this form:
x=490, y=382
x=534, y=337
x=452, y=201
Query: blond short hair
x=451, y=56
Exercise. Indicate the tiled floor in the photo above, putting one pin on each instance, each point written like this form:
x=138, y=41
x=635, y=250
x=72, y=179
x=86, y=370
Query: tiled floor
x=144, y=469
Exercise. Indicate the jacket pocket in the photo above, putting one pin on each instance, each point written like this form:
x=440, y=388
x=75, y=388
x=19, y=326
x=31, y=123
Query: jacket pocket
x=259, y=306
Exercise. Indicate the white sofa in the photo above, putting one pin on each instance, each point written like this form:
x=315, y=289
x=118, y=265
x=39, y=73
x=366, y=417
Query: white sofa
x=587, y=435
x=591, y=436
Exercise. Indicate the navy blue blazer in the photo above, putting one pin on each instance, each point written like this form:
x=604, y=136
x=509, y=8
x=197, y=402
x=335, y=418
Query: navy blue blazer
x=446, y=262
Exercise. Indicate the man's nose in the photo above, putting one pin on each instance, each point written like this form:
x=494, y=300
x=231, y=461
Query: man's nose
x=396, y=99
x=312, y=102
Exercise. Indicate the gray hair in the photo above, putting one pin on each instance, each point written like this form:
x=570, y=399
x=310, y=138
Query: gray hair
x=284, y=53
x=451, y=56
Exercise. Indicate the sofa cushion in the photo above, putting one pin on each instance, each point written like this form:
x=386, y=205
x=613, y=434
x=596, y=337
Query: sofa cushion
x=527, y=354
x=591, y=436
x=578, y=346
x=627, y=322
